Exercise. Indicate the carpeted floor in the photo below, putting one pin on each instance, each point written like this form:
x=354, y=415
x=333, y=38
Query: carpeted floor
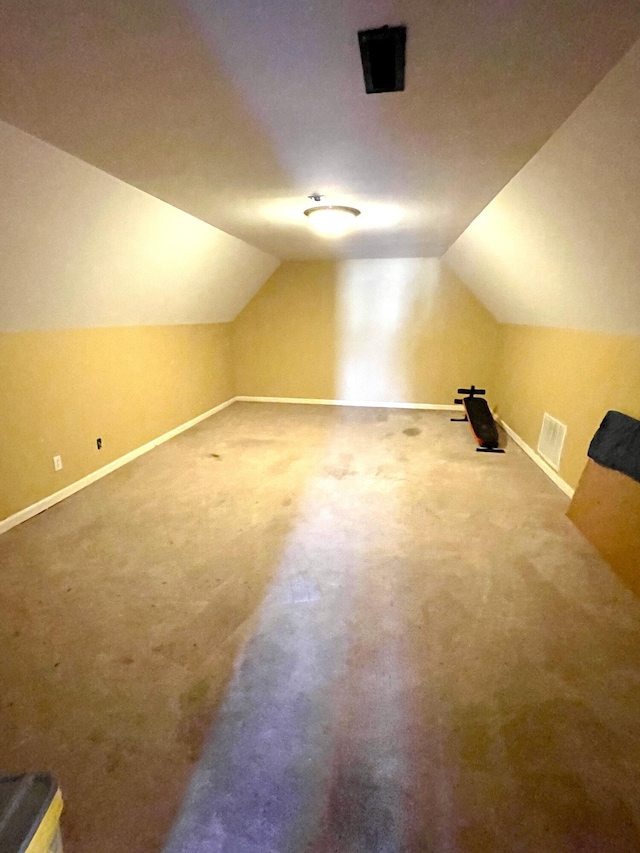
x=374, y=638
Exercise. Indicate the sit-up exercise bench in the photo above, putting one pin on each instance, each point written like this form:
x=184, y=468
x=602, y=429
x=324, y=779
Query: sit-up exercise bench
x=478, y=414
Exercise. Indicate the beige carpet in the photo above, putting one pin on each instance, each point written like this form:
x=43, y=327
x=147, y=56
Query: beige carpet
x=428, y=657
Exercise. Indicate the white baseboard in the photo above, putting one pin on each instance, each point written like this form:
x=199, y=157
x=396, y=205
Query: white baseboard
x=56, y=497
x=364, y=404
x=548, y=470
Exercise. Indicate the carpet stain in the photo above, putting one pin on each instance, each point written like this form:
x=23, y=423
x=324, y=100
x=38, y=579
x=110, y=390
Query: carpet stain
x=195, y=694
x=338, y=472
x=342, y=467
x=113, y=760
x=411, y=431
x=192, y=732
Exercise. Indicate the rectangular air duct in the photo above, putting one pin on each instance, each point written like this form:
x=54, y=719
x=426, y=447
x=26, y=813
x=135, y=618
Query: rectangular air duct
x=551, y=440
x=383, y=58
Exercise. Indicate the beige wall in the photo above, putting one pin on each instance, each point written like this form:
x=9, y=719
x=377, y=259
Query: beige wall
x=576, y=376
x=284, y=339
x=61, y=390
x=113, y=307
x=402, y=329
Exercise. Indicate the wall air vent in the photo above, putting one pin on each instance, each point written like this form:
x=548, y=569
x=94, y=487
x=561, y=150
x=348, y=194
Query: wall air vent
x=383, y=55
x=551, y=440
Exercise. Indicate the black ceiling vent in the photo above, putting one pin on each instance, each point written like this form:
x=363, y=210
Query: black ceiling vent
x=383, y=53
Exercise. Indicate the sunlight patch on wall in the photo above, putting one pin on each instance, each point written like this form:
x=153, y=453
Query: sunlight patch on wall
x=377, y=301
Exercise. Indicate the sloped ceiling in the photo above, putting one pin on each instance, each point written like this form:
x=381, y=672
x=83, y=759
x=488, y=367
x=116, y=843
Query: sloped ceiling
x=560, y=245
x=235, y=110
x=79, y=248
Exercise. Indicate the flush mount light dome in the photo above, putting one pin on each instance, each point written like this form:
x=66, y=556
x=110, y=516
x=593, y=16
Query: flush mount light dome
x=332, y=220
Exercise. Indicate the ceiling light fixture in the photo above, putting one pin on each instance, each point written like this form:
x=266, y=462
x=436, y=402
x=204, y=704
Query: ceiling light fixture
x=331, y=220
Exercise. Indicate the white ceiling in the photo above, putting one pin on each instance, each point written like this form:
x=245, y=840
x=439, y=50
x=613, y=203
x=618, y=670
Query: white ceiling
x=559, y=246
x=235, y=110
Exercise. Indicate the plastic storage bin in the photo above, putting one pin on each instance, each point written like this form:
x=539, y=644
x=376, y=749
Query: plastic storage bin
x=30, y=808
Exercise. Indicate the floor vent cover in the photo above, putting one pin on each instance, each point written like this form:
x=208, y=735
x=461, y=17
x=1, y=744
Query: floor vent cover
x=551, y=440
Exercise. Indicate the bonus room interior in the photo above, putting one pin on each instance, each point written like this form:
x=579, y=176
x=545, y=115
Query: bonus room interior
x=259, y=593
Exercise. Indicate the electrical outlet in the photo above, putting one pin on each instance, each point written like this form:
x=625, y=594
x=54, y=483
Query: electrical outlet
x=99, y=443
x=57, y=463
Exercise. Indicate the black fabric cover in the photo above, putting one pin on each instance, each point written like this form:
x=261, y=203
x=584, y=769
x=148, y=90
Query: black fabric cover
x=616, y=444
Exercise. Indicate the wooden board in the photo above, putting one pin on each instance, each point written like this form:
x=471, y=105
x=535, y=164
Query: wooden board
x=606, y=509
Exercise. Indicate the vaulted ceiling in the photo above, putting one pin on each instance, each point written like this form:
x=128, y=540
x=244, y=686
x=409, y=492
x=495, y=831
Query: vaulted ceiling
x=79, y=248
x=235, y=110
x=559, y=245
